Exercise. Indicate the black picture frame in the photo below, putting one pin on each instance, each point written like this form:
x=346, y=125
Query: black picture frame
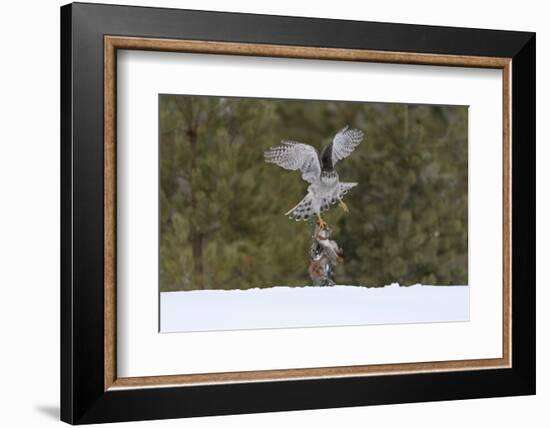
x=83, y=397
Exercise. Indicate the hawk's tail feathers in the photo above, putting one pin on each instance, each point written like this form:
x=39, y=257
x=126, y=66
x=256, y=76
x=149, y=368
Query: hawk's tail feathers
x=302, y=211
x=344, y=188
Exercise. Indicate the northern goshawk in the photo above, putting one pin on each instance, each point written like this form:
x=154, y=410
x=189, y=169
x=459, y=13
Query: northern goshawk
x=325, y=187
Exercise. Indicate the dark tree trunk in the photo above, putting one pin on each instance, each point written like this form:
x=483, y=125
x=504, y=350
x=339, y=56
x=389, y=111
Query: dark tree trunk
x=190, y=128
x=198, y=267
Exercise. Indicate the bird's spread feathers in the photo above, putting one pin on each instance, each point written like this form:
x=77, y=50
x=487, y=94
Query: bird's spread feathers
x=344, y=143
x=296, y=156
x=306, y=207
x=325, y=188
x=345, y=188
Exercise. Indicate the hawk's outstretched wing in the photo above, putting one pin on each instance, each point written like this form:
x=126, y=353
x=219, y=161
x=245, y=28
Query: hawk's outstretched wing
x=345, y=142
x=296, y=156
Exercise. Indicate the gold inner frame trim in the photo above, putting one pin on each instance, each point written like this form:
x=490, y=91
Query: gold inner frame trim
x=113, y=43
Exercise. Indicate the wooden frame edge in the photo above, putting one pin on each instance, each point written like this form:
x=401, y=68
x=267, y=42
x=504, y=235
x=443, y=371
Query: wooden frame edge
x=300, y=374
x=507, y=213
x=301, y=52
x=112, y=43
x=109, y=198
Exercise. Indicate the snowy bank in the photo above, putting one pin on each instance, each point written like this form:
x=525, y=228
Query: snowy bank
x=283, y=307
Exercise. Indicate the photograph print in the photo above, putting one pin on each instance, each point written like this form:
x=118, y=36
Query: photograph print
x=284, y=213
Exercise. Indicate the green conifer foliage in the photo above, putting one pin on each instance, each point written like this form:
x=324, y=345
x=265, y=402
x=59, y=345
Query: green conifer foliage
x=221, y=206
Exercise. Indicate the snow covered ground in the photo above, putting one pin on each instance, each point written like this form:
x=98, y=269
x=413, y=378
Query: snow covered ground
x=283, y=307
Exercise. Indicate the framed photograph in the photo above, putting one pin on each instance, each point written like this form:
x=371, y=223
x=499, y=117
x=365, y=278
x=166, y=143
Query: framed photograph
x=267, y=213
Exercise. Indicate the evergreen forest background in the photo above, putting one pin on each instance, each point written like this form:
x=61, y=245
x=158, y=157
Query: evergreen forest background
x=221, y=206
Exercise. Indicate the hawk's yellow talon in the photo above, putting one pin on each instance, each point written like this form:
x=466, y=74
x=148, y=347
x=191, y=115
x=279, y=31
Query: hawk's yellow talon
x=343, y=206
x=322, y=223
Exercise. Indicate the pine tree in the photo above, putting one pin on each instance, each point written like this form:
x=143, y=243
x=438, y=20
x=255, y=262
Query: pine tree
x=221, y=205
